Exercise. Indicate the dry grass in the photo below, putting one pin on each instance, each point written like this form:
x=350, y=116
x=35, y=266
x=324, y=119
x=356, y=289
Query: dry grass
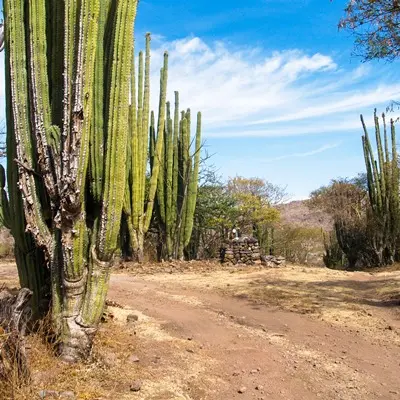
x=104, y=376
x=6, y=244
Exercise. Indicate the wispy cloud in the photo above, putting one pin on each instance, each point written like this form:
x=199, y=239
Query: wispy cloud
x=248, y=92
x=310, y=153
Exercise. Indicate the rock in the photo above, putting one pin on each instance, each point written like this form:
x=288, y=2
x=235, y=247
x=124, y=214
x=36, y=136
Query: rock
x=242, y=390
x=48, y=394
x=236, y=373
x=133, y=358
x=253, y=371
x=67, y=395
x=135, y=386
x=132, y=318
x=109, y=359
x=259, y=387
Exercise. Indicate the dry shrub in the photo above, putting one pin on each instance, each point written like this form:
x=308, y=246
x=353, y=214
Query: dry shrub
x=301, y=245
x=6, y=244
x=15, y=313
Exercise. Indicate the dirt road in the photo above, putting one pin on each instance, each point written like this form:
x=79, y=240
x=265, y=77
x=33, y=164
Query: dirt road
x=274, y=334
x=200, y=331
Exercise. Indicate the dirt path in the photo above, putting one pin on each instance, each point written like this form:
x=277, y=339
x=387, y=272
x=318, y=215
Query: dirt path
x=237, y=343
x=204, y=332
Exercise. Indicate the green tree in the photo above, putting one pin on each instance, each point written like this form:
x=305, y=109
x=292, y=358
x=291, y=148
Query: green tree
x=376, y=27
x=254, y=206
x=214, y=218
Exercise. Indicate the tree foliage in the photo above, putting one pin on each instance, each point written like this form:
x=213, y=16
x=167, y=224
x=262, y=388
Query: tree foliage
x=255, y=199
x=376, y=27
x=346, y=200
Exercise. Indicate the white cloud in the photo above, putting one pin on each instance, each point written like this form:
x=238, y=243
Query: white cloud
x=245, y=92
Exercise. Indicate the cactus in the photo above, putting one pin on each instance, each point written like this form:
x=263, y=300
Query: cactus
x=178, y=182
x=383, y=188
x=138, y=206
x=67, y=89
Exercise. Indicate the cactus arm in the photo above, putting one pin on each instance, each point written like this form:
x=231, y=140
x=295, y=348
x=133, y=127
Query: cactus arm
x=136, y=149
x=380, y=157
x=175, y=177
x=39, y=95
x=375, y=185
x=97, y=137
x=395, y=166
x=15, y=33
x=193, y=185
x=169, y=182
x=158, y=166
x=152, y=142
x=5, y=217
x=115, y=167
x=56, y=24
x=145, y=122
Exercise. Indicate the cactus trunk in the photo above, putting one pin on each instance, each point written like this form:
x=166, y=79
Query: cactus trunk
x=67, y=87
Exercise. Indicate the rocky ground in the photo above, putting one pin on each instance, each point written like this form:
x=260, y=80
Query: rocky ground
x=202, y=331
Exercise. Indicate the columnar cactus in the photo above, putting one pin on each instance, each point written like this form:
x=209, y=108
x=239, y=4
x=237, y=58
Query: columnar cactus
x=178, y=181
x=139, y=204
x=383, y=187
x=67, y=87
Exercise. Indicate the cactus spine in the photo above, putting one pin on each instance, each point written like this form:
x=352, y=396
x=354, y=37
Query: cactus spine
x=178, y=182
x=67, y=89
x=383, y=187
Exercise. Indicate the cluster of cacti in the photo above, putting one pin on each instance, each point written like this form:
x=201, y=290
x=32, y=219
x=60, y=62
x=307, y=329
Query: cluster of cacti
x=68, y=78
x=383, y=187
x=139, y=202
x=172, y=181
x=177, y=179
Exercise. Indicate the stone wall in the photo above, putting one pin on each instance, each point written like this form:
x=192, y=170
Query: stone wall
x=241, y=251
x=247, y=251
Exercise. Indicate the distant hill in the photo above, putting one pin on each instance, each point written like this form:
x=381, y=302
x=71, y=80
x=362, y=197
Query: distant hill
x=298, y=213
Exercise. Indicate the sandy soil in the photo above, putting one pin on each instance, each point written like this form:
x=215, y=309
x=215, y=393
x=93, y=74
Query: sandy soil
x=290, y=333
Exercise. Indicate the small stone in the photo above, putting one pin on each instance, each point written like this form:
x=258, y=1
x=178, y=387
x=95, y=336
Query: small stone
x=236, y=373
x=133, y=358
x=259, y=387
x=67, y=395
x=48, y=394
x=190, y=338
x=132, y=318
x=253, y=371
x=190, y=351
x=136, y=386
x=242, y=390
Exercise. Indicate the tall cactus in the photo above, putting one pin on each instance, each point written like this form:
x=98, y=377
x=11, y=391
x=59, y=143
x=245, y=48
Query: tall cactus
x=178, y=181
x=67, y=87
x=383, y=187
x=138, y=205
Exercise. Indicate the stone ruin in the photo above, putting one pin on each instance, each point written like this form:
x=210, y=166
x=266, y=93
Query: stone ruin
x=245, y=250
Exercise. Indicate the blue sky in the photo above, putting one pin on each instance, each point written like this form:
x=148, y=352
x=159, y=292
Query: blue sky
x=277, y=84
